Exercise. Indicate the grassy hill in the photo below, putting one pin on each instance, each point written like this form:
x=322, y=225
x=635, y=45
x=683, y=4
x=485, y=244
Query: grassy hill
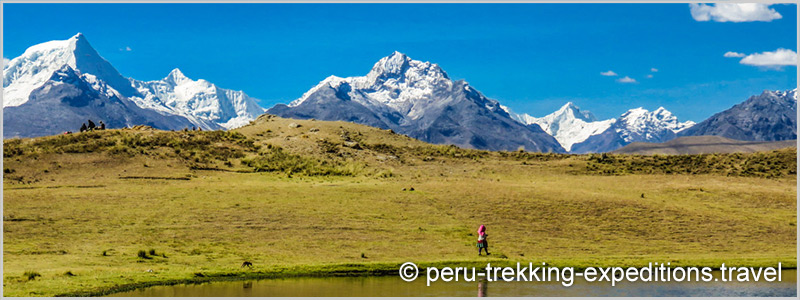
x=108, y=210
x=702, y=145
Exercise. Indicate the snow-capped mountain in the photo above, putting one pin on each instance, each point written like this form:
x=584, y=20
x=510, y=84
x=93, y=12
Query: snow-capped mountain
x=166, y=105
x=771, y=116
x=418, y=99
x=197, y=99
x=635, y=125
x=36, y=66
x=569, y=124
x=641, y=125
x=69, y=98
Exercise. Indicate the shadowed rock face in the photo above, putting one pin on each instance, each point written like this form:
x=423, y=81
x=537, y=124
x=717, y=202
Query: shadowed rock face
x=771, y=116
x=66, y=100
x=418, y=99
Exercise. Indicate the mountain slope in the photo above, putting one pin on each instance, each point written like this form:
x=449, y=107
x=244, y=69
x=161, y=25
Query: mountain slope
x=703, y=144
x=635, y=125
x=771, y=116
x=418, y=99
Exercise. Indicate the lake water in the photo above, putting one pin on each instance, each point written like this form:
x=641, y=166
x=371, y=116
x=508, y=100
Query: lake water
x=394, y=286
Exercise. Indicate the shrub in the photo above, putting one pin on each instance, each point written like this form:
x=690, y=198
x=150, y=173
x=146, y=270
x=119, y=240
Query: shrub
x=31, y=275
x=142, y=254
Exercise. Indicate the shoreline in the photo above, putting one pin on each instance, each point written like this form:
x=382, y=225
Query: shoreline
x=383, y=269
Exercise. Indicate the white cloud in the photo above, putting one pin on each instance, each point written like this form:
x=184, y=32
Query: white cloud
x=126, y=49
x=771, y=59
x=649, y=76
x=734, y=54
x=626, y=79
x=653, y=70
x=608, y=73
x=733, y=12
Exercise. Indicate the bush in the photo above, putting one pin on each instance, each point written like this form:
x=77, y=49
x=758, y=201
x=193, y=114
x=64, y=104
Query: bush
x=31, y=275
x=143, y=254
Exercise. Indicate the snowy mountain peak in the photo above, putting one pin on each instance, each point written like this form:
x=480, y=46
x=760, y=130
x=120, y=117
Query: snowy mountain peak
x=639, y=124
x=392, y=65
x=176, y=77
x=570, y=110
x=400, y=67
x=396, y=82
x=36, y=65
x=80, y=39
x=198, y=100
x=791, y=94
x=569, y=124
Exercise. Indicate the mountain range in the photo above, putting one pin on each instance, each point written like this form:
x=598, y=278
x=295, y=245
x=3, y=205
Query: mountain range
x=579, y=131
x=55, y=86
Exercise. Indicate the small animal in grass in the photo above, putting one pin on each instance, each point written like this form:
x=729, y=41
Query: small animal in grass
x=247, y=264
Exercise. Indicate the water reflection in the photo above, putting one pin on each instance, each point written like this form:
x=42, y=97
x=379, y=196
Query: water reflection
x=393, y=286
x=482, y=288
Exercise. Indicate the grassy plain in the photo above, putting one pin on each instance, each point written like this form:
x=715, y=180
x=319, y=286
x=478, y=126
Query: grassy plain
x=328, y=198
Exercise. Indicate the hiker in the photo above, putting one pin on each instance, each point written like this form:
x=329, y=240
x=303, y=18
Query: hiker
x=102, y=125
x=83, y=127
x=91, y=125
x=482, y=244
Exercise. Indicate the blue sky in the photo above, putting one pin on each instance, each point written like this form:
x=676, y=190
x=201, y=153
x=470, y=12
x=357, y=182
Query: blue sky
x=531, y=57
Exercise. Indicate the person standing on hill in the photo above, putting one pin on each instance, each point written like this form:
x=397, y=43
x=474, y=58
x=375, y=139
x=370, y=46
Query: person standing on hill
x=83, y=127
x=482, y=243
x=91, y=125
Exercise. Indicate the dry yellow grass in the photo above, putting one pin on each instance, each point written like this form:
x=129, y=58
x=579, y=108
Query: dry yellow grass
x=537, y=208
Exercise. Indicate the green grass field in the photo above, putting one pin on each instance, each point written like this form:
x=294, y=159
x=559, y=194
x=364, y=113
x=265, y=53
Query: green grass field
x=327, y=198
